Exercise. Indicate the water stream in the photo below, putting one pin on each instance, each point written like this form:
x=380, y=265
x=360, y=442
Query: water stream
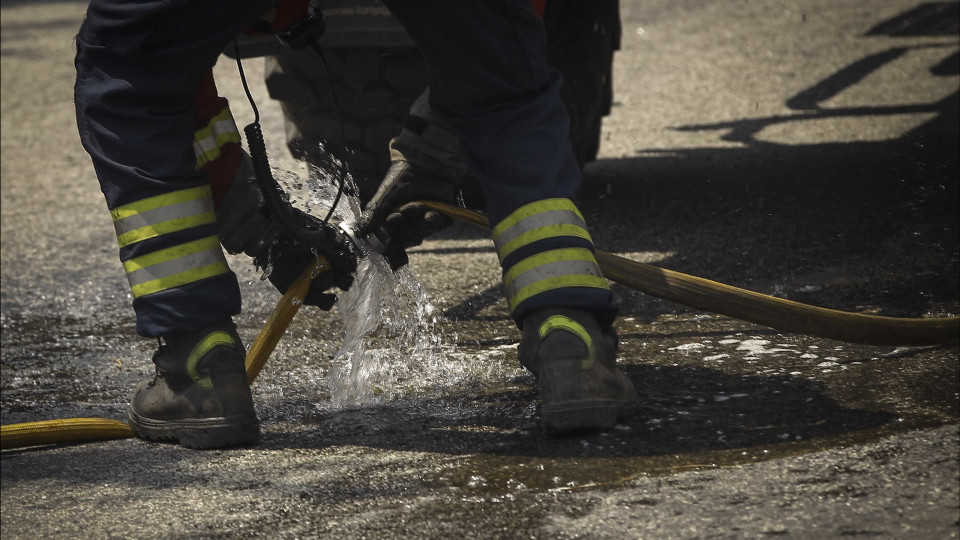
x=392, y=345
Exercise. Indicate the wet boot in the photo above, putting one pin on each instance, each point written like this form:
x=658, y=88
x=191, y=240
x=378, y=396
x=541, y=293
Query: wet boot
x=574, y=360
x=200, y=395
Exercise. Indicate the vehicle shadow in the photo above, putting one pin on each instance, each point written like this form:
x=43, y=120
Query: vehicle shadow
x=853, y=226
x=860, y=225
x=849, y=225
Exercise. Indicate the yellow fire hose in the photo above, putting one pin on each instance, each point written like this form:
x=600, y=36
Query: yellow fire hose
x=778, y=313
x=76, y=430
x=67, y=430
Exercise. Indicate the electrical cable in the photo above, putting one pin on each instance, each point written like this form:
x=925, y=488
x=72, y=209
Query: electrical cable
x=272, y=192
x=343, y=137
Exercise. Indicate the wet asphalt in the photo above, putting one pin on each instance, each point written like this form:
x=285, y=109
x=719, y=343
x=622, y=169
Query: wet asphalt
x=802, y=149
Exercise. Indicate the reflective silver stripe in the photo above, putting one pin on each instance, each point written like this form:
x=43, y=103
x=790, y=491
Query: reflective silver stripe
x=131, y=229
x=221, y=129
x=538, y=221
x=146, y=218
x=552, y=270
x=551, y=276
x=549, y=270
x=531, y=209
x=216, y=137
x=175, y=266
x=224, y=126
x=201, y=148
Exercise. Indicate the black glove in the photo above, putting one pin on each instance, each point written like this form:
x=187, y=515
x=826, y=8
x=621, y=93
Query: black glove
x=399, y=223
x=245, y=225
x=287, y=257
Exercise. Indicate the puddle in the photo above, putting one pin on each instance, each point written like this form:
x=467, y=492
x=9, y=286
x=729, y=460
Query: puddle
x=492, y=475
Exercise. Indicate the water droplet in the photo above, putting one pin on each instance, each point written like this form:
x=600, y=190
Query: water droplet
x=477, y=481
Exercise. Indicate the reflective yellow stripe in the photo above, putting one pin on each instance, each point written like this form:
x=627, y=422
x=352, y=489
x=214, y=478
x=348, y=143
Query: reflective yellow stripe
x=175, y=266
x=176, y=280
x=550, y=231
x=577, y=280
x=208, y=150
x=547, y=257
x=167, y=199
x=221, y=129
x=203, y=347
x=222, y=123
x=524, y=278
x=539, y=220
x=163, y=214
x=165, y=227
x=536, y=207
x=561, y=322
x=550, y=271
x=171, y=253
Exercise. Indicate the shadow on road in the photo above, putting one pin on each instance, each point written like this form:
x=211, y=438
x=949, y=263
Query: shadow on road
x=862, y=225
x=850, y=225
x=858, y=224
x=685, y=410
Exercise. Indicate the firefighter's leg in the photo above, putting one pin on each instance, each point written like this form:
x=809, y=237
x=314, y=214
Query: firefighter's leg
x=139, y=65
x=425, y=142
x=491, y=85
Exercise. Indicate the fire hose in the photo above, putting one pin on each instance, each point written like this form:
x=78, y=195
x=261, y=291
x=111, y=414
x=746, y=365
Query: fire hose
x=77, y=430
x=778, y=313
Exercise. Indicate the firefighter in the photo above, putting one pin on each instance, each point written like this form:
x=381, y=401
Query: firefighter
x=162, y=144
x=141, y=67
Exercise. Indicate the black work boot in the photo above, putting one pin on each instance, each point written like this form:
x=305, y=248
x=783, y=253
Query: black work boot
x=200, y=395
x=574, y=360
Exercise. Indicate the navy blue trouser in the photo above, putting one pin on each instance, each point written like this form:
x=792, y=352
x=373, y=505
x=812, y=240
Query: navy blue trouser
x=139, y=64
x=490, y=83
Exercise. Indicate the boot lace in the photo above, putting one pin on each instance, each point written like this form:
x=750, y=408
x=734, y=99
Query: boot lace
x=160, y=372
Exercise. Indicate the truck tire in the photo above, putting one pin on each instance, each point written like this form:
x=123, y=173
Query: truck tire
x=376, y=85
x=581, y=39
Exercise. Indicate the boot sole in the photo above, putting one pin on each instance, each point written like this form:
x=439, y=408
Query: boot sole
x=586, y=415
x=198, y=433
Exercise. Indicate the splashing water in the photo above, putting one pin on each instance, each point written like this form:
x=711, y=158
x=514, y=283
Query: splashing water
x=392, y=346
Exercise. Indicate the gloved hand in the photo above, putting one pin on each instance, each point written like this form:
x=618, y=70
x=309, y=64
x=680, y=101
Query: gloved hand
x=245, y=225
x=287, y=257
x=400, y=223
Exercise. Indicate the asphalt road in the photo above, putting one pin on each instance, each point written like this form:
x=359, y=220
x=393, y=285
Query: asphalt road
x=802, y=149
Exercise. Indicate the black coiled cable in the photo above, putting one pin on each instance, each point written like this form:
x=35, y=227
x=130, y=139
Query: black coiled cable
x=273, y=194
